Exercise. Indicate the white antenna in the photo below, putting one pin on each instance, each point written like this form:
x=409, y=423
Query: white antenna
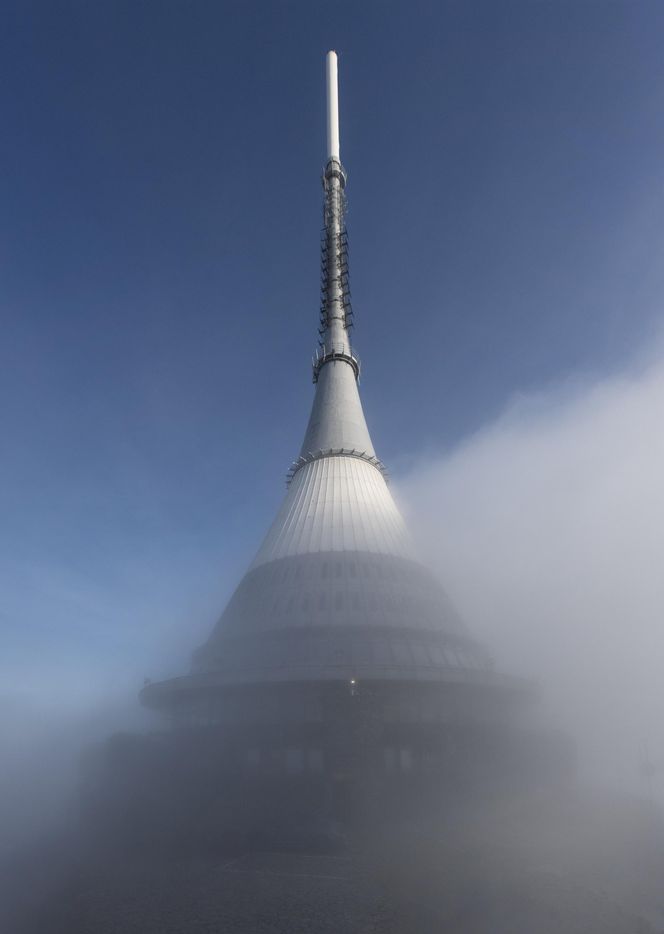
x=332, y=107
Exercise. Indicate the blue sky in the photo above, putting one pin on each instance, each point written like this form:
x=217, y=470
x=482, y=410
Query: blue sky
x=160, y=192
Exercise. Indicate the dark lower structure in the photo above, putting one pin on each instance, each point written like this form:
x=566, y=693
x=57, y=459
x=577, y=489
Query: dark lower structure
x=334, y=725
x=309, y=764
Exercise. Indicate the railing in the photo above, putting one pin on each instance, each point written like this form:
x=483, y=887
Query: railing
x=334, y=452
x=323, y=356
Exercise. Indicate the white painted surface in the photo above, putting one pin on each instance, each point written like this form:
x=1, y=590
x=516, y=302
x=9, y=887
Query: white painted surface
x=337, y=420
x=337, y=503
x=332, y=107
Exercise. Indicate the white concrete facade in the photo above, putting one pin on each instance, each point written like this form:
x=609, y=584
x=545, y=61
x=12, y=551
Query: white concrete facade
x=337, y=503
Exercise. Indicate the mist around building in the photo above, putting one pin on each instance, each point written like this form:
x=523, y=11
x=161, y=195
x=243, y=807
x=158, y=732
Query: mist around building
x=426, y=699
x=586, y=852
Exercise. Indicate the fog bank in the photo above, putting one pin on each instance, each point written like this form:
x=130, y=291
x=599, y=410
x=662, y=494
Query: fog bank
x=547, y=528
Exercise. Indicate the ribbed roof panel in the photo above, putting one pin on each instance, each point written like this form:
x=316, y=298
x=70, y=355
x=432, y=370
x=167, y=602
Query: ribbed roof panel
x=337, y=503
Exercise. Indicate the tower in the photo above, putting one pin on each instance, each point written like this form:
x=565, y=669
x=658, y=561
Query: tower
x=339, y=651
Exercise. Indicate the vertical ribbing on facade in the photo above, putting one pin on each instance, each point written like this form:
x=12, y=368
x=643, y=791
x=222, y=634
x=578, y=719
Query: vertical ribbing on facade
x=337, y=503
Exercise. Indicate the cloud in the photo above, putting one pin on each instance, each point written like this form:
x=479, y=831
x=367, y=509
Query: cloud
x=547, y=528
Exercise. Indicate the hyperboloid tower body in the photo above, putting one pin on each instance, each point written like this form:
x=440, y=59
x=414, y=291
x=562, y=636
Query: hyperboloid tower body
x=339, y=653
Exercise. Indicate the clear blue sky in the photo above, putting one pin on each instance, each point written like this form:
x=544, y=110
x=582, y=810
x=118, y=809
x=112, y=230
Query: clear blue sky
x=160, y=192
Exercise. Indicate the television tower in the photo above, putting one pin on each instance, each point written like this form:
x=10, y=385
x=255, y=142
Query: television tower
x=336, y=626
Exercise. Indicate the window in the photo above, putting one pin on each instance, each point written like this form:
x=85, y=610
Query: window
x=294, y=759
x=315, y=760
x=382, y=652
x=437, y=655
x=402, y=653
x=405, y=759
x=253, y=757
x=420, y=654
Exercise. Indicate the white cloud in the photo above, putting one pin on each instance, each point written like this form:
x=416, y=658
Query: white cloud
x=547, y=528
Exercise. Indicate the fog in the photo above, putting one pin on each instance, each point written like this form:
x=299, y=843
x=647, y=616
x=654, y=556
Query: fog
x=547, y=528
x=41, y=746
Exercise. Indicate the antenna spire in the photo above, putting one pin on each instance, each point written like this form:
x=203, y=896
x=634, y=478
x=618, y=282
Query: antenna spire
x=332, y=107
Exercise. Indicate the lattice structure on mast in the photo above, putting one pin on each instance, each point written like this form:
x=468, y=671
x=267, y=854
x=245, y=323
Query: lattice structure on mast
x=334, y=250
